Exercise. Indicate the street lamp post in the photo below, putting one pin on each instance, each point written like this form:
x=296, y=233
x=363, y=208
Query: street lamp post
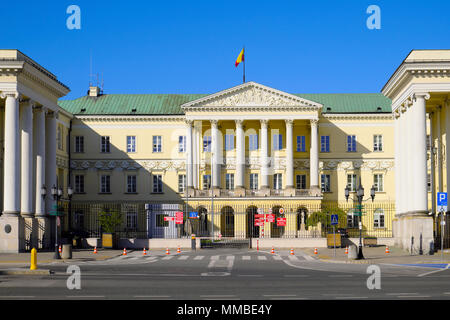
x=57, y=194
x=360, y=196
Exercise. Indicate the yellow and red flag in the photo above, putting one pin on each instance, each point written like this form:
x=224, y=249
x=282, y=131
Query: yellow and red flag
x=240, y=58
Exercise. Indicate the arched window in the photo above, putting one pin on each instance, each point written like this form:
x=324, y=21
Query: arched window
x=302, y=216
x=227, y=222
x=378, y=218
x=252, y=230
x=352, y=219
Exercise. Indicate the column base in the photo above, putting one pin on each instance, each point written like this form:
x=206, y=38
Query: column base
x=12, y=234
x=413, y=231
x=43, y=232
x=31, y=232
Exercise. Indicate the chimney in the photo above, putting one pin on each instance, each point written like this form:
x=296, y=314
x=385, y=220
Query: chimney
x=94, y=91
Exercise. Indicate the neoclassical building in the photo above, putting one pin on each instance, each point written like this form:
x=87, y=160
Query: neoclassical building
x=224, y=159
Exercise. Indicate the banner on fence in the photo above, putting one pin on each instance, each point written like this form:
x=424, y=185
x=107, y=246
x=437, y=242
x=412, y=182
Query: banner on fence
x=281, y=222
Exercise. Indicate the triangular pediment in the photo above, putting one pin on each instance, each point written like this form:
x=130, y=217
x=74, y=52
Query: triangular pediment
x=250, y=94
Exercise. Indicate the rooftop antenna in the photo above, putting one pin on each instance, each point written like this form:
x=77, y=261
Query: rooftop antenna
x=103, y=83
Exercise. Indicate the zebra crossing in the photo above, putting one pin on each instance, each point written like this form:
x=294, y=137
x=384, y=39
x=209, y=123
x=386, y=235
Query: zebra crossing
x=140, y=259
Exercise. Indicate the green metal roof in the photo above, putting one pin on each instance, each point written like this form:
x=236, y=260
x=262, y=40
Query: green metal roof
x=170, y=104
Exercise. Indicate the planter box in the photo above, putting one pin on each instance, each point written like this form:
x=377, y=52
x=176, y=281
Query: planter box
x=109, y=240
x=331, y=238
x=370, y=242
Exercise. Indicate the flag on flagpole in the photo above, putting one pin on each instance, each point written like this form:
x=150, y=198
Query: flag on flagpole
x=240, y=58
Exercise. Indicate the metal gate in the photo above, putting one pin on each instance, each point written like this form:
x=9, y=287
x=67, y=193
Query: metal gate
x=441, y=232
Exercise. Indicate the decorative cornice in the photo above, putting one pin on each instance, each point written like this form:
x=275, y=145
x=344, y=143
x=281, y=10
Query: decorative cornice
x=131, y=118
x=358, y=116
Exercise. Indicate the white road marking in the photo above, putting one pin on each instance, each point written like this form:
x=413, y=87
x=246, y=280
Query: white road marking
x=293, y=258
x=214, y=257
x=230, y=257
x=246, y=257
x=199, y=257
x=413, y=296
x=434, y=271
x=277, y=258
x=17, y=297
x=262, y=258
x=167, y=258
x=401, y=293
x=183, y=257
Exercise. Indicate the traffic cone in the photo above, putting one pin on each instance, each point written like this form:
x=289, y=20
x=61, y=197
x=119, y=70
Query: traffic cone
x=178, y=250
x=144, y=253
x=387, y=249
x=292, y=251
x=124, y=252
x=315, y=250
x=59, y=249
x=346, y=250
x=95, y=249
x=272, y=251
x=167, y=251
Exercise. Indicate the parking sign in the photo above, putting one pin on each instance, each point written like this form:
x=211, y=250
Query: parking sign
x=442, y=201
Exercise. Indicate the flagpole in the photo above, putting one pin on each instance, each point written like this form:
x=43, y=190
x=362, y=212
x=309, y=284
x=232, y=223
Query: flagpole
x=244, y=64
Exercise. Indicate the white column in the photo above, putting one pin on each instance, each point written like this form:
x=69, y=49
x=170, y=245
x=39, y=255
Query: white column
x=398, y=163
x=407, y=161
x=240, y=154
x=447, y=143
x=39, y=151
x=11, y=203
x=419, y=196
x=264, y=155
x=26, y=121
x=189, y=155
x=216, y=148
x=289, y=155
x=439, y=149
x=194, y=156
x=314, y=156
x=50, y=150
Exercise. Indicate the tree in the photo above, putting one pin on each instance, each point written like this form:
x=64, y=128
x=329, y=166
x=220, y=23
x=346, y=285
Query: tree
x=109, y=220
x=324, y=217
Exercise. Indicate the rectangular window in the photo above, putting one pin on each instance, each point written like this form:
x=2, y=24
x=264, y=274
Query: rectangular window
x=428, y=182
x=206, y=182
x=131, y=220
x=229, y=181
x=301, y=147
x=324, y=143
x=181, y=182
x=301, y=181
x=277, y=141
x=60, y=138
x=105, y=184
x=131, y=143
x=131, y=184
x=277, y=181
x=351, y=182
x=157, y=183
x=351, y=143
x=325, y=182
x=79, y=184
x=106, y=146
x=160, y=222
x=378, y=182
x=207, y=144
x=157, y=144
x=182, y=144
x=378, y=142
x=253, y=142
x=79, y=144
x=229, y=142
x=253, y=181
x=428, y=142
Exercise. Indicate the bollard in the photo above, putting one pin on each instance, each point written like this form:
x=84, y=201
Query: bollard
x=193, y=244
x=33, y=265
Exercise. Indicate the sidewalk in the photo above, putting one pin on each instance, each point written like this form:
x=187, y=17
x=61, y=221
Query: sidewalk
x=374, y=255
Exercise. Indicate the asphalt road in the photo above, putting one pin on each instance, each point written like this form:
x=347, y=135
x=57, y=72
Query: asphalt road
x=228, y=274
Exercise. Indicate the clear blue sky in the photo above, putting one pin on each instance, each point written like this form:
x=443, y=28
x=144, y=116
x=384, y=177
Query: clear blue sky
x=190, y=46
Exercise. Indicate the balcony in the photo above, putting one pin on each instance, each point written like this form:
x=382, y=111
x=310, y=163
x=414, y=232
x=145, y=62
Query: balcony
x=247, y=193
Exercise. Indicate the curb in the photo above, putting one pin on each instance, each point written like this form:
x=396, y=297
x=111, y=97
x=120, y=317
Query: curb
x=347, y=261
x=25, y=272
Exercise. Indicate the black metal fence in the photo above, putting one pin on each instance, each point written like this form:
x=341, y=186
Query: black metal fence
x=240, y=221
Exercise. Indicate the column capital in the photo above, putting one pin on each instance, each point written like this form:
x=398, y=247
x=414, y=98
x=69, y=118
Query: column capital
x=289, y=122
x=264, y=122
x=12, y=94
x=314, y=122
x=423, y=95
x=214, y=123
x=239, y=122
x=188, y=122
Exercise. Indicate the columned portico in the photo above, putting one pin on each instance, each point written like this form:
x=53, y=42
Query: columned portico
x=314, y=156
x=289, y=155
x=264, y=155
x=216, y=148
x=240, y=155
x=26, y=121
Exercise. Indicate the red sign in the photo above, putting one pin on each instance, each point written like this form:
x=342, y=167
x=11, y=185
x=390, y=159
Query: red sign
x=259, y=223
x=281, y=222
x=257, y=216
x=178, y=217
x=270, y=217
x=169, y=218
